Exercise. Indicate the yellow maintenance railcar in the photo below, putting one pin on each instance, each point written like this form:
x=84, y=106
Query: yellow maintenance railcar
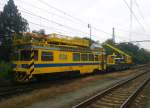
x=38, y=55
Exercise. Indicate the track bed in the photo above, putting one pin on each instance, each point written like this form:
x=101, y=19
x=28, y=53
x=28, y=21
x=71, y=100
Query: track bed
x=65, y=93
x=118, y=96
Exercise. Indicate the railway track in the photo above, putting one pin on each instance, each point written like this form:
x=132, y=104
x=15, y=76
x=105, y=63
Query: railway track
x=9, y=90
x=120, y=95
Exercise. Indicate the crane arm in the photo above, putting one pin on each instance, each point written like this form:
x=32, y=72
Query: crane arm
x=116, y=49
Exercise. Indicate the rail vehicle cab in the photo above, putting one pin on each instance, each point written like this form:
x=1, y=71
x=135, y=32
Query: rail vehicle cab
x=111, y=59
x=23, y=64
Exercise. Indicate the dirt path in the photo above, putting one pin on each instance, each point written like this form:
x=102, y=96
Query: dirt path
x=65, y=95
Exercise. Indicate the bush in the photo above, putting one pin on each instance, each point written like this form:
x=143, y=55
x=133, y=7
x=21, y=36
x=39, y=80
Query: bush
x=5, y=69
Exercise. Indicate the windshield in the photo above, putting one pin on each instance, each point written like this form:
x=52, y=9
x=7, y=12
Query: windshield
x=25, y=55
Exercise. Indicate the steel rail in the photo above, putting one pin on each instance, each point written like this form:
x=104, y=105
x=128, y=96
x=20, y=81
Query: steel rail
x=130, y=99
x=92, y=99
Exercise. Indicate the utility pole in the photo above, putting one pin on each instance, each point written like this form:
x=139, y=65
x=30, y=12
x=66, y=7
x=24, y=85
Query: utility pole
x=89, y=26
x=113, y=34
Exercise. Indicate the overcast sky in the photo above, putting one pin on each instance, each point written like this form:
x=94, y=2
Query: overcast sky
x=71, y=17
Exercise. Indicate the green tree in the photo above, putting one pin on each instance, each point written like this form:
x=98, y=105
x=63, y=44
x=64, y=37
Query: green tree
x=107, y=49
x=91, y=41
x=11, y=22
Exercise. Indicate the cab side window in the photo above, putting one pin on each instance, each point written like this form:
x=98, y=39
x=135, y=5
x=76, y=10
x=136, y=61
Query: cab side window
x=76, y=56
x=47, y=56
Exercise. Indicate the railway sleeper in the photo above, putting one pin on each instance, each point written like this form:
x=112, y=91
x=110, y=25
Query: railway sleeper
x=106, y=104
x=117, y=101
x=123, y=90
x=116, y=95
x=114, y=100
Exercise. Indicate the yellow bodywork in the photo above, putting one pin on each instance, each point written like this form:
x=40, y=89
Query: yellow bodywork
x=111, y=59
x=57, y=65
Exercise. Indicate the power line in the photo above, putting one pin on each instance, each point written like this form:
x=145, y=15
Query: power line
x=31, y=13
x=46, y=27
x=142, y=41
x=137, y=41
x=100, y=30
x=59, y=10
x=66, y=14
x=133, y=32
x=134, y=15
x=49, y=27
x=141, y=13
x=45, y=3
x=59, y=24
x=68, y=27
x=49, y=12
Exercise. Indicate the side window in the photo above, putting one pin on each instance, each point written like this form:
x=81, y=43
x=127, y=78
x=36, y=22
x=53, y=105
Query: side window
x=91, y=57
x=63, y=56
x=76, y=56
x=84, y=57
x=47, y=56
x=96, y=57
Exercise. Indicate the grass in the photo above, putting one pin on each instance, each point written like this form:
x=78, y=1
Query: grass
x=5, y=69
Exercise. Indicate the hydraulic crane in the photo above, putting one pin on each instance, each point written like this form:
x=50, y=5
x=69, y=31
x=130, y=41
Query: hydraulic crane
x=114, y=59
